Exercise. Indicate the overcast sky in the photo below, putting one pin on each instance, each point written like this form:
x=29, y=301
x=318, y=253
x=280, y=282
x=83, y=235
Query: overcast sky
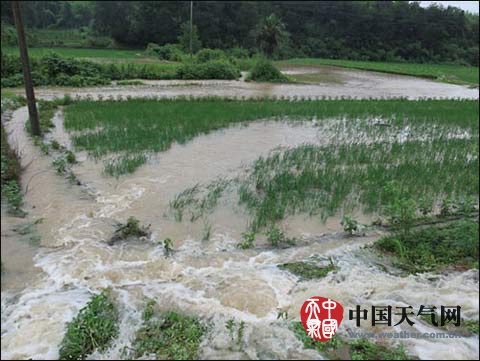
x=471, y=6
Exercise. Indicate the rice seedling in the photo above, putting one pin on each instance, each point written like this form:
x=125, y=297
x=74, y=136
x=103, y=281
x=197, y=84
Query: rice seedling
x=113, y=126
x=326, y=179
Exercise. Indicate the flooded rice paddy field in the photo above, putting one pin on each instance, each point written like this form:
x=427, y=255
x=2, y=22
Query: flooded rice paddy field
x=313, y=82
x=212, y=278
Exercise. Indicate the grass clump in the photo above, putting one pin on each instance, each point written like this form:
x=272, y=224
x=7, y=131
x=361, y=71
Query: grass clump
x=277, y=238
x=168, y=335
x=308, y=271
x=93, y=328
x=11, y=191
x=265, y=71
x=248, y=241
x=359, y=349
x=434, y=248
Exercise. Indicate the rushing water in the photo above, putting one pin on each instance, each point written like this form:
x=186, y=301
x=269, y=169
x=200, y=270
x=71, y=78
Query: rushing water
x=211, y=279
x=321, y=81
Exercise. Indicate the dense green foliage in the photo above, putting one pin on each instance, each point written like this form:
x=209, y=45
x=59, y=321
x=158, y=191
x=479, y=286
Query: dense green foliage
x=169, y=335
x=212, y=69
x=433, y=248
x=265, y=71
x=93, y=328
x=52, y=69
x=358, y=30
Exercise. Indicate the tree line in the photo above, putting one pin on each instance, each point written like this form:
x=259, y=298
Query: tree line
x=358, y=30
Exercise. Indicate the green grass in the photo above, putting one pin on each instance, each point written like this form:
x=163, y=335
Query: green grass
x=360, y=349
x=168, y=335
x=434, y=248
x=167, y=121
x=93, y=328
x=307, y=271
x=113, y=54
x=10, y=168
x=459, y=74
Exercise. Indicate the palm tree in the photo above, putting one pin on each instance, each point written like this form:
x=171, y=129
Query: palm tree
x=270, y=34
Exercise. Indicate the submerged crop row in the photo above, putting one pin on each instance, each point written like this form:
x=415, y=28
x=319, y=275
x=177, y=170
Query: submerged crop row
x=130, y=129
x=326, y=179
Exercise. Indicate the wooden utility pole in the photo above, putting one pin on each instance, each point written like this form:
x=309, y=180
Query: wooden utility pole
x=27, y=76
x=191, y=27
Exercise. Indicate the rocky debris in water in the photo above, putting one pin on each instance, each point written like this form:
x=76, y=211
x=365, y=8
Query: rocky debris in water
x=130, y=230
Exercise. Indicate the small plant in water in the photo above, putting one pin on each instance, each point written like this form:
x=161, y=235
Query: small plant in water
x=55, y=145
x=131, y=229
x=60, y=165
x=282, y=315
x=11, y=192
x=45, y=148
x=248, y=241
x=71, y=157
x=277, y=238
x=349, y=224
x=167, y=247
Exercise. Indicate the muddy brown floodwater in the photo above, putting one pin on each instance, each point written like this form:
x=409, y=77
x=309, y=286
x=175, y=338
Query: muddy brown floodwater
x=320, y=81
x=212, y=279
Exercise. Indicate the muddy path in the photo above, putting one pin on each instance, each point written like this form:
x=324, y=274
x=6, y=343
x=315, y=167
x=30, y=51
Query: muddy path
x=212, y=279
x=315, y=82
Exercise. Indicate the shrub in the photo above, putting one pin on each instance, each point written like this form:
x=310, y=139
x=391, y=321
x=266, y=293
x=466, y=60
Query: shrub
x=169, y=52
x=215, y=69
x=265, y=71
x=206, y=55
x=239, y=53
